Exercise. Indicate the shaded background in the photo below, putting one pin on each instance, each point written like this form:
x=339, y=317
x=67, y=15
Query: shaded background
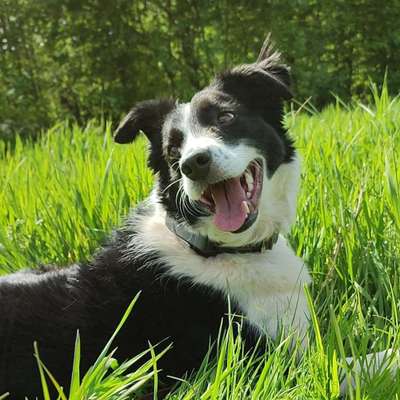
x=82, y=59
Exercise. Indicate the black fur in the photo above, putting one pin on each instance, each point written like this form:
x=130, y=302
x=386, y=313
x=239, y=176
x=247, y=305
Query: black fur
x=49, y=307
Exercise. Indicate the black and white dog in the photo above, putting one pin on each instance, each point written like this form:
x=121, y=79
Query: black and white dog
x=227, y=178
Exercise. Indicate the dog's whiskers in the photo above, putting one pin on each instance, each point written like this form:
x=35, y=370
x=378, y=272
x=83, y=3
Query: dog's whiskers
x=184, y=203
x=179, y=200
x=171, y=184
x=173, y=165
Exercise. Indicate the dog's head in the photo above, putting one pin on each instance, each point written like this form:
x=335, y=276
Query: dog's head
x=225, y=163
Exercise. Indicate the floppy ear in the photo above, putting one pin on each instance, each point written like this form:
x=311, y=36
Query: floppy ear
x=262, y=85
x=147, y=116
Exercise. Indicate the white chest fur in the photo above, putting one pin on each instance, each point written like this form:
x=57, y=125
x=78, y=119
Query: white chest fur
x=268, y=287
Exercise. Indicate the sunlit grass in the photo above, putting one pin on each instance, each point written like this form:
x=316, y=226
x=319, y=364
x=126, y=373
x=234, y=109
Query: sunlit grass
x=61, y=196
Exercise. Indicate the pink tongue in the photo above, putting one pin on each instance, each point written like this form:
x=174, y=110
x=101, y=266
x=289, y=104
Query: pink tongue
x=228, y=197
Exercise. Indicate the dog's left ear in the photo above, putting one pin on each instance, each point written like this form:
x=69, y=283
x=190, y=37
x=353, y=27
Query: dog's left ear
x=262, y=84
x=147, y=116
x=270, y=60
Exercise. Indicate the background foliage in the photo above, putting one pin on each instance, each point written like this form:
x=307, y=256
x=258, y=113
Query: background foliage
x=80, y=59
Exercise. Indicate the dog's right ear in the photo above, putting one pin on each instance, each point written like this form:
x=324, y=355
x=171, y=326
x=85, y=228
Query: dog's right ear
x=147, y=116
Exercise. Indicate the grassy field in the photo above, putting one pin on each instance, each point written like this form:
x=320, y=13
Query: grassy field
x=61, y=196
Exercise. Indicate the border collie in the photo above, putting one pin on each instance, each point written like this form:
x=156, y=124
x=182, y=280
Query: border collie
x=227, y=179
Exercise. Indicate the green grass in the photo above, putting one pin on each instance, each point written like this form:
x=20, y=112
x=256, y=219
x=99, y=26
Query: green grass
x=61, y=196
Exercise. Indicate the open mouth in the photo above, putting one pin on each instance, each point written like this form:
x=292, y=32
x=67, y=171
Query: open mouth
x=234, y=202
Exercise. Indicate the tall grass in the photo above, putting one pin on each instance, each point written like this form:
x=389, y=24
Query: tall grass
x=61, y=196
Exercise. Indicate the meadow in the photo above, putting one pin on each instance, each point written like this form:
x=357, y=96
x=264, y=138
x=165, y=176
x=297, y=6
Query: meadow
x=62, y=195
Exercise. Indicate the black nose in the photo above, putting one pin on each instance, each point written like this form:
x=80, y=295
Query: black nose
x=197, y=166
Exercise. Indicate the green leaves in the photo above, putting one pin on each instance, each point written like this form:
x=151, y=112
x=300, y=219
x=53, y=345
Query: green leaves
x=79, y=61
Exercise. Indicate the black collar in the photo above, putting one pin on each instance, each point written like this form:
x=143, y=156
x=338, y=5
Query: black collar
x=207, y=248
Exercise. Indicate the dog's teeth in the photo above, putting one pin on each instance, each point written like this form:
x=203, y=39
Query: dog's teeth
x=249, y=178
x=245, y=207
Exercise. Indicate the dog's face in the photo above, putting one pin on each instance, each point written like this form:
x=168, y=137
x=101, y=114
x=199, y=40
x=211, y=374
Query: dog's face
x=226, y=165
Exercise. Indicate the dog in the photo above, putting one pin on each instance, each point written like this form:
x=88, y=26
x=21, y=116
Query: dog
x=209, y=234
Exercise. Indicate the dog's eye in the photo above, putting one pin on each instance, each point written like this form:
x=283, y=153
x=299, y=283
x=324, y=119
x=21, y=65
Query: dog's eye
x=225, y=117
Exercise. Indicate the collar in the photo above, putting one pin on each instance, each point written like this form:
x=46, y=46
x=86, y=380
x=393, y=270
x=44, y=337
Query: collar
x=204, y=247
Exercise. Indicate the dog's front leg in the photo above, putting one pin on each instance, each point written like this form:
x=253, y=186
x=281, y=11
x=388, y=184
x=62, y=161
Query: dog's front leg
x=285, y=314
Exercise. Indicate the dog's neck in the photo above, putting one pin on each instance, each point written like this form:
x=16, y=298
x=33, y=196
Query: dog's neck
x=205, y=247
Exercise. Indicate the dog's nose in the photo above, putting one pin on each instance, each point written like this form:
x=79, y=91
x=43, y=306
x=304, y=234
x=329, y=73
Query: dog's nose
x=197, y=166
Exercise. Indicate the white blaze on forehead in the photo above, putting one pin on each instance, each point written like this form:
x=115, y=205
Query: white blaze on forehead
x=196, y=142
x=196, y=138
